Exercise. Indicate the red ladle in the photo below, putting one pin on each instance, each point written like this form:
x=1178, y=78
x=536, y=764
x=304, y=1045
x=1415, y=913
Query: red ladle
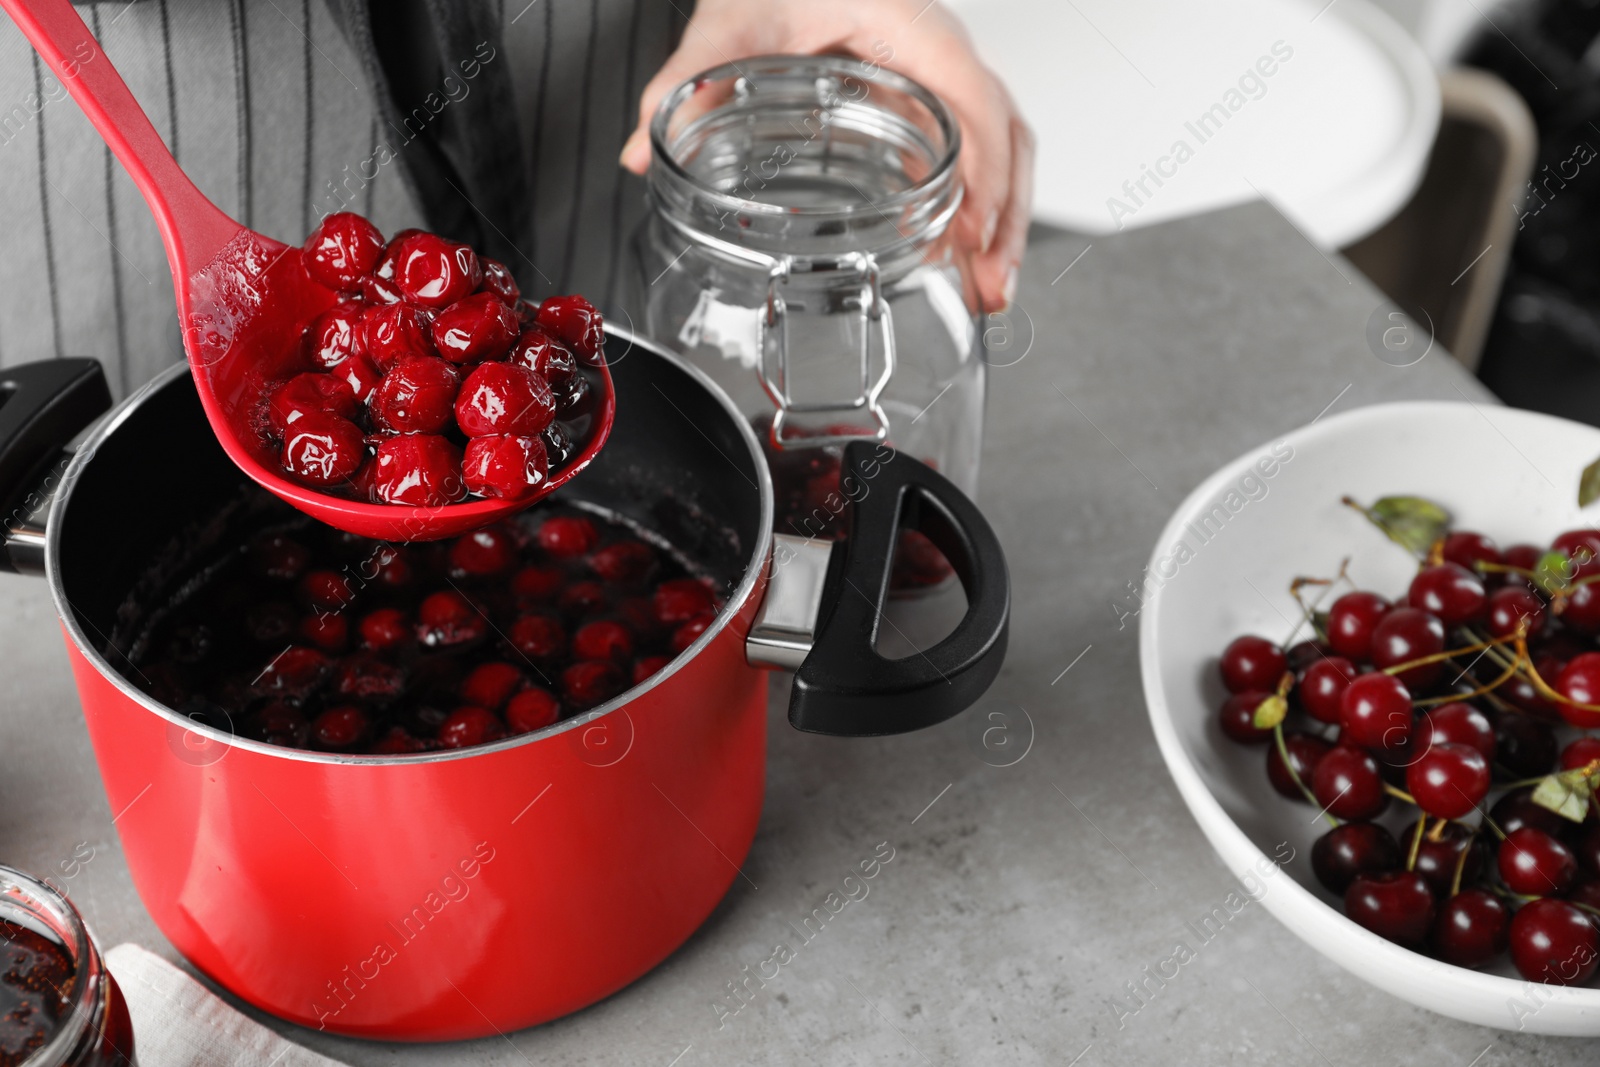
x=243, y=298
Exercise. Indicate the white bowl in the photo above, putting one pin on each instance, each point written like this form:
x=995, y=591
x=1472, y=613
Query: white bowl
x=1510, y=474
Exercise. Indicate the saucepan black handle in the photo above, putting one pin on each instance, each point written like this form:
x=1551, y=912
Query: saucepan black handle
x=43, y=406
x=845, y=687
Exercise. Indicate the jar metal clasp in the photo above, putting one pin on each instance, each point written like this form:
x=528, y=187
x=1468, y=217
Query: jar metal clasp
x=860, y=271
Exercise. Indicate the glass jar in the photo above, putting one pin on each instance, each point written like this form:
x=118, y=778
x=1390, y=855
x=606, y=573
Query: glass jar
x=799, y=252
x=53, y=972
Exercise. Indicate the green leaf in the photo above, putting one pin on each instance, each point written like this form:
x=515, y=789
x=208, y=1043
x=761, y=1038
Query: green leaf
x=1553, y=573
x=1567, y=793
x=1589, y=485
x=1270, y=712
x=1410, y=521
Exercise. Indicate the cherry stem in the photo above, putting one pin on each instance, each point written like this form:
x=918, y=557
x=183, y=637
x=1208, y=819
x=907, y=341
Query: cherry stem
x=1540, y=684
x=1308, y=613
x=1440, y=657
x=1288, y=765
x=1416, y=843
x=1461, y=863
x=1437, y=833
x=1399, y=794
x=1501, y=834
x=1482, y=690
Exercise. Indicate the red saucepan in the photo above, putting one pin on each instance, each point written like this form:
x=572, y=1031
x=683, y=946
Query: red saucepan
x=456, y=894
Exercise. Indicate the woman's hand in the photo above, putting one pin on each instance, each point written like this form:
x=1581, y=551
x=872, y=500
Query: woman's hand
x=921, y=40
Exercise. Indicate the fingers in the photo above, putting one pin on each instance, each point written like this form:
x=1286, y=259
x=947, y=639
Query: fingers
x=995, y=269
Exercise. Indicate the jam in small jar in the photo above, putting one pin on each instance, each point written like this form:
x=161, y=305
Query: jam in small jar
x=59, y=1006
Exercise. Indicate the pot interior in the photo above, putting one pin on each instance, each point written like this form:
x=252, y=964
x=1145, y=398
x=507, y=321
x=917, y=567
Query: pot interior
x=141, y=511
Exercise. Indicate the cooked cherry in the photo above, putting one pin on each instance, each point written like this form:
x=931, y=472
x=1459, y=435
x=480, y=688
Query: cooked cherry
x=1534, y=863
x=1516, y=809
x=646, y=666
x=1347, y=783
x=568, y=536
x=385, y=628
x=1251, y=662
x=326, y=590
x=501, y=398
x=1375, y=711
x=1467, y=549
x=1393, y=904
x=395, y=332
x=1437, y=860
x=270, y=623
x=1322, y=686
x=1473, y=928
x=394, y=570
x=482, y=554
x=335, y=335
x=544, y=355
x=1455, y=723
x=469, y=726
x=532, y=709
x=689, y=632
x=639, y=612
x=1404, y=635
x=623, y=562
x=417, y=396
x=1305, y=752
x=311, y=392
x=279, y=557
x=322, y=449
x=435, y=272
x=490, y=685
x=279, y=724
x=418, y=469
x=447, y=618
x=681, y=599
x=581, y=599
x=361, y=375
x=1553, y=942
x=1451, y=592
x=341, y=250
x=1524, y=746
x=1448, y=780
x=497, y=279
x=504, y=467
x=603, y=639
x=398, y=742
x=537, y=583
x=293, y=673
x=474, y=328
x=1351, y=621
x=339, y=728
x=575, y=321
x=328, y=631
x=366, y=678
x=1514, y=606
x=588, y=682
x=1238, y=717
x=380, y=292
x=539, y=637
x=1352, y=849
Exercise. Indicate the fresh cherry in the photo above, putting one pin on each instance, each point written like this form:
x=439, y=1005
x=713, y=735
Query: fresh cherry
x=1448, y=780
x=1375, y=712
x=1404, y=635
x=1306, y=751
x=1353, y=849
x=1449, y=591
x=1351, y=621
x=1437, y=860
x=1251, y=662
x=1580, y=682
x=1393, y=904
x=1238, y=717
x=1322, y=687
x=1534, y=863
x=1582, y=608
x=1514, y=606
x=1473, y=928
x=1580, y=752
x=1347, y=783
x=1455, y=723
x=1553, y=942
x=1524, y=746
x=1516, y=809
x=1467, y=549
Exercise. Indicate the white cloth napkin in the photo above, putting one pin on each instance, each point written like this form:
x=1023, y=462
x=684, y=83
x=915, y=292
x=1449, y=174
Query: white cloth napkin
x=177, y=1022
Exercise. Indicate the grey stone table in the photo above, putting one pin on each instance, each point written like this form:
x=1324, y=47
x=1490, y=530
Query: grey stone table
x=1021, y=898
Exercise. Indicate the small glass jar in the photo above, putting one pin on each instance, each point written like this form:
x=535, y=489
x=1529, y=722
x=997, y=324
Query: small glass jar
x=799, y=252
x=47, y=946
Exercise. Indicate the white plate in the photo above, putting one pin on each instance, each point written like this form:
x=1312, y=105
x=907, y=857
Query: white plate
x=1510, y=474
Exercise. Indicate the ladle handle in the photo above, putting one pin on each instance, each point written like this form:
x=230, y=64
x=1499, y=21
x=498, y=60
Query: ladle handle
x=193, y=229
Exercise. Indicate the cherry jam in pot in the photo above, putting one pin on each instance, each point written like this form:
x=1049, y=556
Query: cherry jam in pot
x=59, y=1006
x=280, y=629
